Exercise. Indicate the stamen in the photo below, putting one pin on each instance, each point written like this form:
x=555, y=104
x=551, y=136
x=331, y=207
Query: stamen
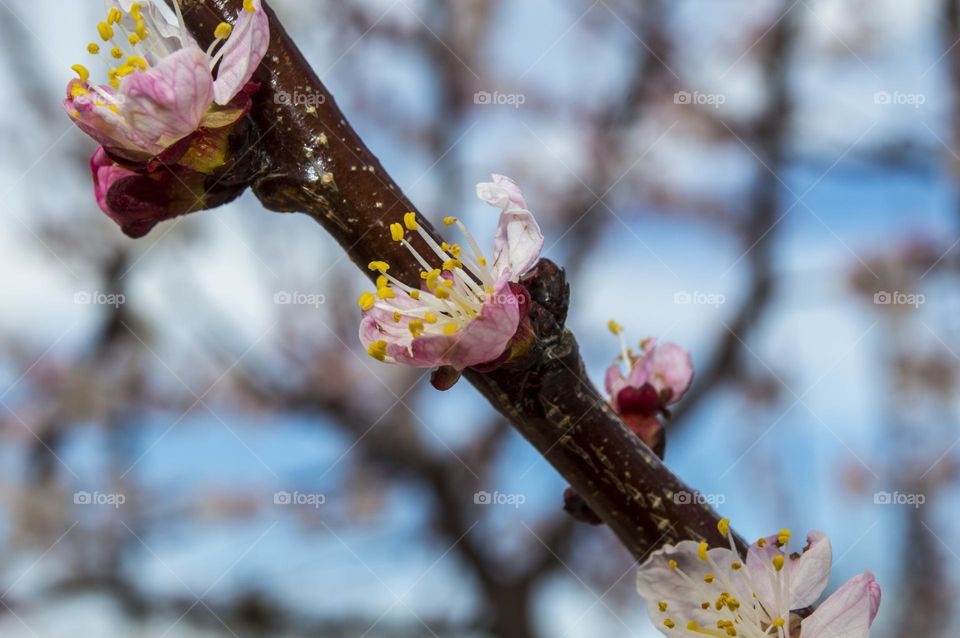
x=223, y=31
x=366, y=301
x=105, y=31
x=82, y=72
x=378, y=350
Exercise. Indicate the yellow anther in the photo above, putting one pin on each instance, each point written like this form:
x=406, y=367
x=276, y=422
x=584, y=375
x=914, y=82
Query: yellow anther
x=429, y=317
x=138, y=62
x=105, y=31
x=76, y=91
x=248, y=6
x=381, y=266
x=669, y=624
x=761, y=543
x=410, y=221
x=378, y=350
x=784, y=536
x=447, y=221
x=396, y=231
x=704, y=605
x=397, y=316
x=778, y=562
x=779, y=622
x=614, y=327
x=416, y=327
x=382, y=282
x=672, y=564
x=662, y=605
x=455, y=250
x=702, y=550
x=81, y=72
x=723, y=526
x=135, y=10
x=482, y=261
x=708, y=578
x=133, y=39
x=452, y=264
x=450, y=328
x=114, y=16
x=223, y=31
x=125, y=70
x=736, y=566
x=385, y=293
x=414, y=294
x=441, y=293
x=116, y=53
x=141, y=29
x=93, y=48
x=366, y=301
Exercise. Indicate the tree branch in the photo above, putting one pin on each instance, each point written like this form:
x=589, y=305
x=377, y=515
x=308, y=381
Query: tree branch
x=311, y=160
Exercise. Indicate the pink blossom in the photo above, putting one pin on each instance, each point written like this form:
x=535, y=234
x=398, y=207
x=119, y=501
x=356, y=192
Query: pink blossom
x=642, y=386
x=690, y=587
x=466, y=312
x=165, y=117
x=161, y=84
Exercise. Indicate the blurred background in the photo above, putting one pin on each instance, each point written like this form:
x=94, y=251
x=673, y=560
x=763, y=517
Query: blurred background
x=193, y=443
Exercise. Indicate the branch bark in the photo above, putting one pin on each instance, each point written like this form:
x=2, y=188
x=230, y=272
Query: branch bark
x=311, y=160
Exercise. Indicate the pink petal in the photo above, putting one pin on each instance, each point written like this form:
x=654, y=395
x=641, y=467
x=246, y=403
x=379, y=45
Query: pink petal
x=808, y=573
x=669, y=366
x=480, y=341
x=106, y=173
x=848, y=613
x=104, y=125
x=614, y=381
x=518, y=240
x=168, y=101
x=657, y=582
x=242, y=53
x=503, y=193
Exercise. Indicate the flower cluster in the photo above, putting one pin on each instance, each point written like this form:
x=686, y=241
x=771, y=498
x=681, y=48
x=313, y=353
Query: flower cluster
x=467, y=310
x=166, y=114
x=641, y=386
x=694, y=590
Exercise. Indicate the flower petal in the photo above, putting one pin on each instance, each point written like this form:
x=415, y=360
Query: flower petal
x=614, y=381
x=168, y=101
x=242, y=53
x=518, y=240
x=808, y=573
x=848, y=613
x=483, y=339
x=668, y=366
x=657, y=583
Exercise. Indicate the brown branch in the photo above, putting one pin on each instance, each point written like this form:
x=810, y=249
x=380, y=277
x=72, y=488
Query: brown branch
x=312, y=161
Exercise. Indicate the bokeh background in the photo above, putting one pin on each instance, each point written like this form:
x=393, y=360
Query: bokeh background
x=192, y=442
